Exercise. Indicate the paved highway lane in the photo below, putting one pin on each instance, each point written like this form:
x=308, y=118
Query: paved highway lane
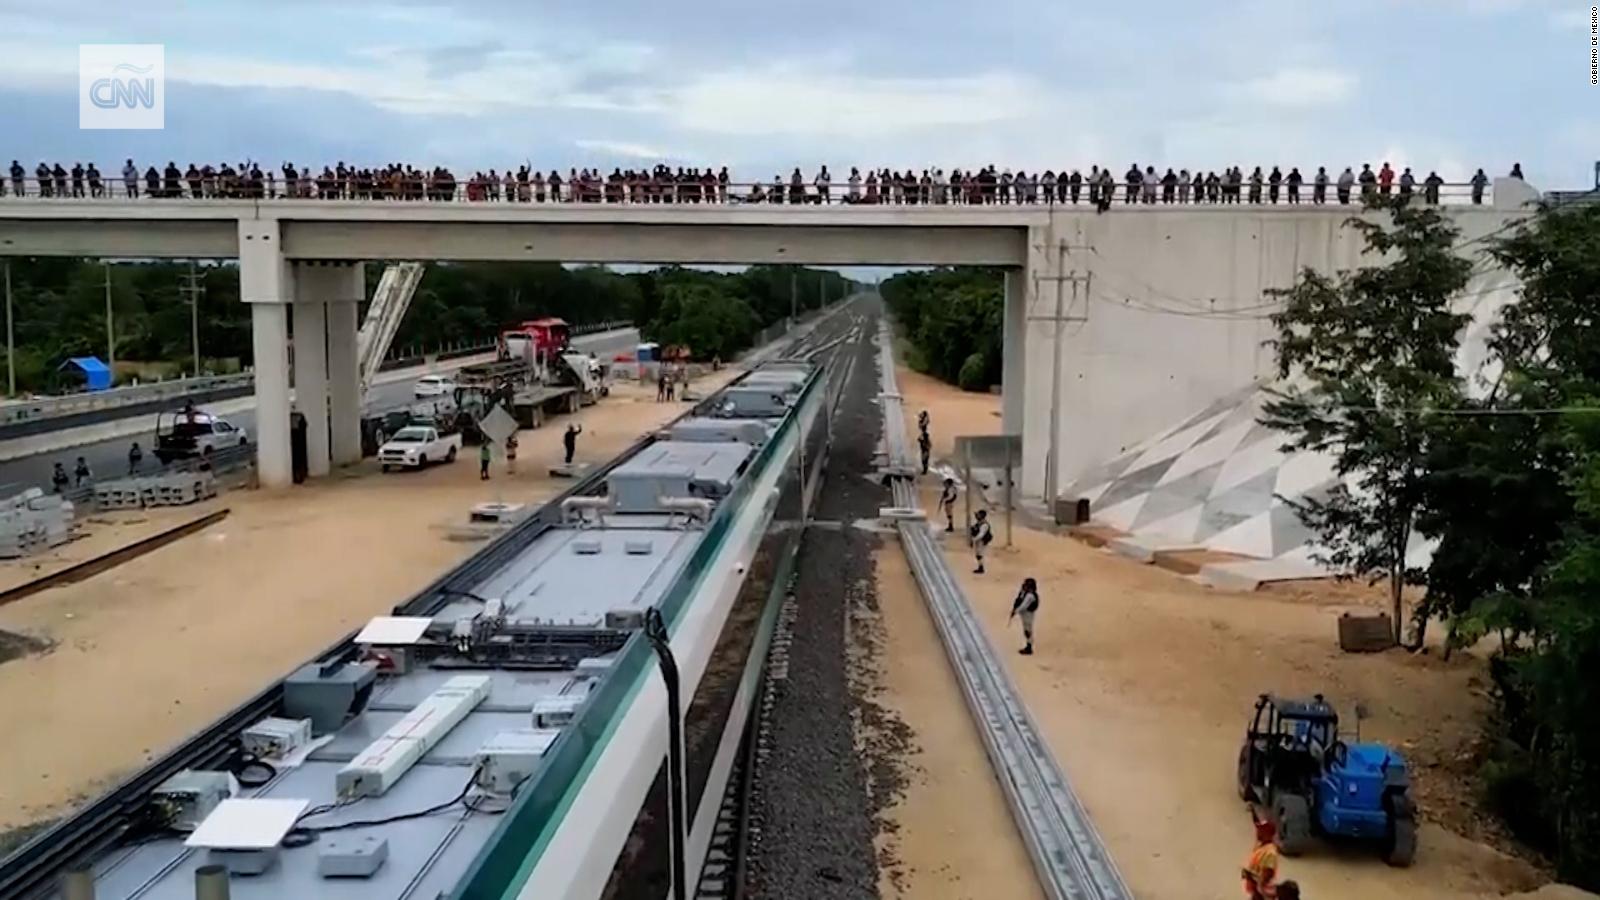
x=109, y=458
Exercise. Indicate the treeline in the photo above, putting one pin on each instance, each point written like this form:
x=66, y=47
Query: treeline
x=953, y=320
x=59, y=307
x=1500, y=467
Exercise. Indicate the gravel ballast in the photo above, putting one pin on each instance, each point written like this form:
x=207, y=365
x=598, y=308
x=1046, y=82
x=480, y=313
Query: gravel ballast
x=813, y=802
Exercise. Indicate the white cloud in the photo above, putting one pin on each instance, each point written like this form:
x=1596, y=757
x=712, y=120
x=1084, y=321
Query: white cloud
x=1301, y=87
x=622, y=148
x=793, y=100
x=1576, y=19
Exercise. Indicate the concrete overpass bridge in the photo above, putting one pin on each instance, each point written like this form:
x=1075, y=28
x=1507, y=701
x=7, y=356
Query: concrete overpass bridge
x=1122, y=321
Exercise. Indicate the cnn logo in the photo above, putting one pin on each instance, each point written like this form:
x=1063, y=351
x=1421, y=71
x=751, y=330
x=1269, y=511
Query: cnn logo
x=122, y=86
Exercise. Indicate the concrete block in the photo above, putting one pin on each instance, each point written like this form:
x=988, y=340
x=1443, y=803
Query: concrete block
x=1133, y=548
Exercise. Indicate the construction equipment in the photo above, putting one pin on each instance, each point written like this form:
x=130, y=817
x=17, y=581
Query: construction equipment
x=1308, y=781
x=390, y=301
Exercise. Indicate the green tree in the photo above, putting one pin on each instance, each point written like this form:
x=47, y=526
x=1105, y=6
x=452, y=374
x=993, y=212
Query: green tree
x=953, y=319
x=1365, y=355
x=1545, y=353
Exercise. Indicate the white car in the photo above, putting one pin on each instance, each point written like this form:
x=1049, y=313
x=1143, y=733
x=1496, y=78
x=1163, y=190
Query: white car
x=435, y=386
x=415, y=446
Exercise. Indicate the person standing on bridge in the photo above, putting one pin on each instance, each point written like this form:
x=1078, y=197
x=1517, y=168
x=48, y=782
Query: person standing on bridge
x=981, y=535
x=1430, y=189
x=824, y=183
x=1385, y=181
x=1479, y=182
x=19, y=178
x=1294, y=181
x=569, y=441
x=1024, y=608
x=1319, y=186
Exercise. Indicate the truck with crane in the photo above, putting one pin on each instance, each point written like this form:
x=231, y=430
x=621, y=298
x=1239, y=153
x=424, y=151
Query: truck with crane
x=536, y=374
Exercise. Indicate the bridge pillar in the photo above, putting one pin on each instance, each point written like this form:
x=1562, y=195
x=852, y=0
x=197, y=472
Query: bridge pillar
x=1013, y=347
x=344, y=372
x=311, y=363
x=267, y=283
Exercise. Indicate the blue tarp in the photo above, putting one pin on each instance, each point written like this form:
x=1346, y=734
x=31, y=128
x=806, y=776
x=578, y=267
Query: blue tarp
x=96, y=375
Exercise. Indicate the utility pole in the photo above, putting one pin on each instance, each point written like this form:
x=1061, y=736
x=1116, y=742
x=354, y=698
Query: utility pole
x=193, y=286
x=11, y=342
x=1052, y=462
x=111, y=340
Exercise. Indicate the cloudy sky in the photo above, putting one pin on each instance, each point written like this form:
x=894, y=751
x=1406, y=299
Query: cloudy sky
x=767, y=84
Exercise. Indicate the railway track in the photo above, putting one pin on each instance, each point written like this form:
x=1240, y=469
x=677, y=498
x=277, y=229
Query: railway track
x=738, y=827
x=1069, y=856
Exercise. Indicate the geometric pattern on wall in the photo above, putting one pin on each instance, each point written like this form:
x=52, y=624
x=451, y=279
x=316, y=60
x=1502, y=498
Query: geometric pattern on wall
x=1214, y=480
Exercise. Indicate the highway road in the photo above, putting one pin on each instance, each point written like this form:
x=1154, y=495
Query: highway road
x=110, y=458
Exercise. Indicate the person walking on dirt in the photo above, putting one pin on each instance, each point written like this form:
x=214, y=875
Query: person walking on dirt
x=925, y=447
x=1024, y=607
x=923, y=421
x=511, y=453
x=135, y=457
x=569, y=441
x=1261, y=866
x=947, y=503
x=981, y=535
x=484, y=455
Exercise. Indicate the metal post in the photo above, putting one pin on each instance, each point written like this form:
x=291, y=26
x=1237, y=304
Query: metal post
x=1009, y=502
x=793, y=298
x=11, y=341
x=111, y=340
x=966, y=484
x=194, y=317
x=1053, y=463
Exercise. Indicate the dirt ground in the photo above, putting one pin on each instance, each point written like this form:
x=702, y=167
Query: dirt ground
x=96, y=534
x=1143, y=682
x=949, y=834
x=147, y=653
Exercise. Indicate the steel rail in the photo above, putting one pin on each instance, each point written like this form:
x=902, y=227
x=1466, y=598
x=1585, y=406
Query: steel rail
x=1068, y=854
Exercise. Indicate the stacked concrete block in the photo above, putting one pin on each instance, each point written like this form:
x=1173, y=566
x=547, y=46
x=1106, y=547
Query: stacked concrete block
x=33, y=521
x=167, y=489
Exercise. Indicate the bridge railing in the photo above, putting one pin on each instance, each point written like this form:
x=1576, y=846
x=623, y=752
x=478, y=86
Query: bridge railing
x=712, y=193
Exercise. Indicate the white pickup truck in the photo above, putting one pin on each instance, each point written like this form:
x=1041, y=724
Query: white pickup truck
x=415, y=446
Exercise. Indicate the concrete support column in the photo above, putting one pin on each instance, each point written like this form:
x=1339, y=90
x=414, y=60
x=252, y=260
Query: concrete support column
x=344, y=380
x=311, y=366
x=267, y=284
x=1014, y=338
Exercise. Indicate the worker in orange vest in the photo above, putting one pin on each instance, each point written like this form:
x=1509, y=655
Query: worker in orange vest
x=1261, y=867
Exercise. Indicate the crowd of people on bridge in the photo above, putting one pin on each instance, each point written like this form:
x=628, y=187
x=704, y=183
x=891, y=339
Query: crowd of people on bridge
x=1100, y=187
